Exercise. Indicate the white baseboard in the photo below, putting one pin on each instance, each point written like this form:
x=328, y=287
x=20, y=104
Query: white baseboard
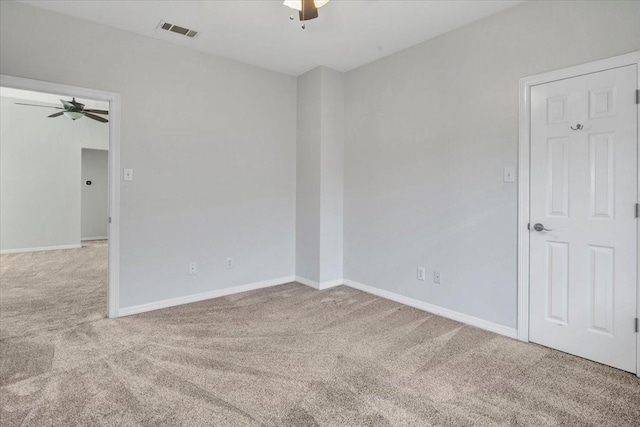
x=94, y=238
x=411, y=302
x=127, y=311
x=440, y=311
x=42, y=248
x=331, y=284
x=319, y=286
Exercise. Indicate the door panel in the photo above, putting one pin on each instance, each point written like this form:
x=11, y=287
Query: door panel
x=601, y=174
x=601, y=309
x=558, y=177
x=558, y=281
x=584, y=176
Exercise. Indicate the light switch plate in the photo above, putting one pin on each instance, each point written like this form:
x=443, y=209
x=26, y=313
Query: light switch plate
x=509, y=174
x=421, y=274
x=128, y=175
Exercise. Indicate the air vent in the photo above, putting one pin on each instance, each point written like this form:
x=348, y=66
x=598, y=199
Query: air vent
x=165, y=26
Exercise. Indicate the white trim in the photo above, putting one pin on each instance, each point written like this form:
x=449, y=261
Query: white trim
x=440, y=311
x=524, y=176
x=307, y=282
x=331, y=284
x=127, y=311
x=42, y=248
x=523, y=213
x=114, y=165
x=85, y=239
x=319, y=286
x=421, y=305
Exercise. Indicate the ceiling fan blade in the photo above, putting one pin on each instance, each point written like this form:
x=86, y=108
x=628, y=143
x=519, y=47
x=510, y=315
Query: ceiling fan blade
x=309, y=10
x=56, y=114
x=94, y=117
x=96, y=111
x=36, y=105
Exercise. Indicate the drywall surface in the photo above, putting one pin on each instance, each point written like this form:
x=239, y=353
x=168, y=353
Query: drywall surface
x=40, y=175
x=94, y=198
x=331, y=175
x=309, y=123
x=429, y=132
x=211, y=142
x=320, y=175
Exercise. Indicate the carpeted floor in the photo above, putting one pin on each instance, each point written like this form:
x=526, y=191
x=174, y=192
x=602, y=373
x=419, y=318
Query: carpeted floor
x=294, y=356
x=50, y=290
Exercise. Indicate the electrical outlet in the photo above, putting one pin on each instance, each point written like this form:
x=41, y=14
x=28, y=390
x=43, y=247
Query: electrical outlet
x=229, y=263
x=193, y=268
x=436, y=277
x=422, y=274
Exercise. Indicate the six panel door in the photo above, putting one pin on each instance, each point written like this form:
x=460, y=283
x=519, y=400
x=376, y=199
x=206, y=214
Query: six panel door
x=583, y=187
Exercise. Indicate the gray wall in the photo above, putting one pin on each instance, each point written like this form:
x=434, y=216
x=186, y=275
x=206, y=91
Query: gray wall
x=211, y=142
x=95, y=197
x=308, y=175
x=331, y=175
x=40, y=175
x=429, y=132
x=320, y=175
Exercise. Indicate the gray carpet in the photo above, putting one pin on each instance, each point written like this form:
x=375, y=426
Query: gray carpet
x=50, y=290
x=294, y=356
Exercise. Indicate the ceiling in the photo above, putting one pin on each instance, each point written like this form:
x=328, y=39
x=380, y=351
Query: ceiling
x=347, y=34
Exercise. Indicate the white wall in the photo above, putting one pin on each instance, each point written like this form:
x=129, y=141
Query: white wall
x=40, y=175
x=94, y=198
x=429, y=132
x=211, y=142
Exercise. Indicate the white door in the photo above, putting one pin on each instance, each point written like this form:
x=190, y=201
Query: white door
x=584, y=175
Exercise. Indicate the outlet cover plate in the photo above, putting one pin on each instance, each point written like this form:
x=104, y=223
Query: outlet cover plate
x=193, y=268
x=436, y=277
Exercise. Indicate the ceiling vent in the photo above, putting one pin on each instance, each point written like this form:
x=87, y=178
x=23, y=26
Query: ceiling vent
x=165, y=26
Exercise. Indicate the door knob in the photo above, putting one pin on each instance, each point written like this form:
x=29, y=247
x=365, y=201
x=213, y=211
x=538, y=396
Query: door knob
x=540, y=227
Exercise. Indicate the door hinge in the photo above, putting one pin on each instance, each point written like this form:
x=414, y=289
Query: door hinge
x=637, y=210
x=109, y=220
x=529, y=226
x=637, y=96
x=636, y=325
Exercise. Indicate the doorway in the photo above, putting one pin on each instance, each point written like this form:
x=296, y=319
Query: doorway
x=94, y=195
x=109, y=215
x=578, y=196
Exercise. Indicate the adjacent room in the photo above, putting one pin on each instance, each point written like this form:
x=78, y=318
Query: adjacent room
x=319, y=213
x=53, y=211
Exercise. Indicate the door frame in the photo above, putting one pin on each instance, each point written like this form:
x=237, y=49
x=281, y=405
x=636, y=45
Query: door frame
x=524, y=146
x=114, y=167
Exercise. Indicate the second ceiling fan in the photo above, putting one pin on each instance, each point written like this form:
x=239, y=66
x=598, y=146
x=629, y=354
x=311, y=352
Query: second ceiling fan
x=74, y=110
